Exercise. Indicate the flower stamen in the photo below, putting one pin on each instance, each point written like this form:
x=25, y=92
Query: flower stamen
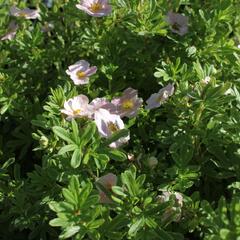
x=95, y=7
x=80, y=74
x=176, y=26
x=22, y=14
x=76, y=112
x=127, y=104
x=112, y=127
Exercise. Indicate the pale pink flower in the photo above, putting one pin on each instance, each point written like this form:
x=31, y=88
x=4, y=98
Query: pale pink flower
x=12, y=30
x=95, y=8
x=206, y=80
x=107, y=182
x=128, y=104
x=178, y=22
x=77, y=107
x=80, y=72
x=108, y=124
x=157, y=99
x=98, y=103
x=165, y=197
x=26, y=13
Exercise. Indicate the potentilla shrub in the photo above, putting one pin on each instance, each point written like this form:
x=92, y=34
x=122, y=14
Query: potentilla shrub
x=119, y=119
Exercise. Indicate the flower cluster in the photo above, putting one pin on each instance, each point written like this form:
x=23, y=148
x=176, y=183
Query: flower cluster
x=107, y=114
x=81, y=71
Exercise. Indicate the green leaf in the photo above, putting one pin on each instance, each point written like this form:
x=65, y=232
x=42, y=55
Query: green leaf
x=74, y=185
x=65, y=207
x=9, y=162
x=83, y=196
x=96, y=224
x=117, y=155
x=150, y=222
x=67, y=148
x=4, y=109
x=136, y=226
x=182, y=150
x=140, y=180
x=215, y=92
x=117, y=135
x=101, y=160
x=163, y=235
x=117, y=223
x=86, y=158
x=58, y=222
x=128, y=178
x=69, y=232
x=69, y=196
x=119, y=191
x=88, y=133
x=225, y=233
x=75, y=132
x=61, y=207
x=76, y=158
x=63, y=134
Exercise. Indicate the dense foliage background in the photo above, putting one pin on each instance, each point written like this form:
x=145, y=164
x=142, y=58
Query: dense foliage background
x=189, y=146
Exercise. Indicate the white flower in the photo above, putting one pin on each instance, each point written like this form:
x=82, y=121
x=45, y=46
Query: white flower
x=165, y=197
x=25, y=13
x=128, y=104
x=206, y=80
x=95, y=8
x=80, y=72
x=98, y=103
x=108, y=124
x=157, y=99
x=178, y=22
x=12, y=30
x=77, y=107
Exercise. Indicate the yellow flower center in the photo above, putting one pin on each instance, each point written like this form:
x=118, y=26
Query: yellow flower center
x=22, y=14
x=162, y=97
x=127, y=104
x=76, y=112
x=80, y=74
x=176, y=26
x=112, y=127
x=95, y=7
x=159, y=99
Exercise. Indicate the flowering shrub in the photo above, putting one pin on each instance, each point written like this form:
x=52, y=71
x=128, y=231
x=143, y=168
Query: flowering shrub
x=119, y=119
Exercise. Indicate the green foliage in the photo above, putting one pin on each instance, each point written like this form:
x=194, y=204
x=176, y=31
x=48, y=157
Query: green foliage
x=79, y=214
x=174, y=175
x=223, y=223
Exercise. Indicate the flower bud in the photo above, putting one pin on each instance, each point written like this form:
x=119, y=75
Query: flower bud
x=152, y=162
x=43, y=142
